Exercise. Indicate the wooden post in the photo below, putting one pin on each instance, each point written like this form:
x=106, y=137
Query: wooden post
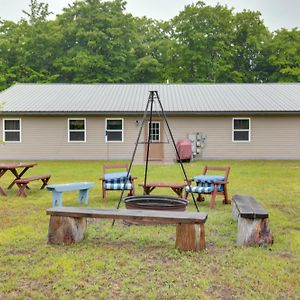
x=66, y=230
x=190, y=237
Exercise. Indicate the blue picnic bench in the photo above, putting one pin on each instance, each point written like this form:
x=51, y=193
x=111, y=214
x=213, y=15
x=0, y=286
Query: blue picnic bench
x=58, y=189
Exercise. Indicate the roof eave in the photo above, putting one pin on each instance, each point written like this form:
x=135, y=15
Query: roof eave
x=177, y=113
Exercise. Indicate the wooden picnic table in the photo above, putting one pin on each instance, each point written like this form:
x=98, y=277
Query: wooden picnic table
x=12, y=167
x=176, y=187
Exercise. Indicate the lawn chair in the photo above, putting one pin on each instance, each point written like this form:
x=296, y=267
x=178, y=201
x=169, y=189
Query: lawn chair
x=115, y=181
x=210, y=184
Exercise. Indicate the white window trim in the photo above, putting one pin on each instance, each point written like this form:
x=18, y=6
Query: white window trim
x=155, y=122
x=114, y=130
x=249, y=130
x=77, y=130
x=14, y=130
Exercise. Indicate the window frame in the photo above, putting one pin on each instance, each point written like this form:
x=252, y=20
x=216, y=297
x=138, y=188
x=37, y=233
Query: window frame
x=14, y=130
x=241, y=130
x=77, y=130
x=114, y=130
x=159, y=133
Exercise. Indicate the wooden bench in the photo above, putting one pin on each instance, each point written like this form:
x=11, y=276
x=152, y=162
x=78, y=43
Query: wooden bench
x=22, y=183
x=67, y=224
x=58, y=189
x=252, y=221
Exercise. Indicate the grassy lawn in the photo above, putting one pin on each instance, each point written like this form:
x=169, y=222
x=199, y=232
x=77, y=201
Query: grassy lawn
x=140, y=262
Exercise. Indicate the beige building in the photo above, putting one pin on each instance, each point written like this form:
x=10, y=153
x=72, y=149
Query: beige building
x=102, y=121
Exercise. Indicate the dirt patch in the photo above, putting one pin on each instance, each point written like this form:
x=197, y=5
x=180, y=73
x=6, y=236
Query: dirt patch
x=20, y=251
x=285, y=255
x=222, y=292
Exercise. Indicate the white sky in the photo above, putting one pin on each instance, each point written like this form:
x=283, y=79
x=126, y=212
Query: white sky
x=275, y=13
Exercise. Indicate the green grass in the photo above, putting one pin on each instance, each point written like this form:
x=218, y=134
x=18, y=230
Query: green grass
x=141, y=262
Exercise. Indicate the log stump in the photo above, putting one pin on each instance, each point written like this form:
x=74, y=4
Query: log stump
x=66, y=230
x=190, y=237
x=253, y=232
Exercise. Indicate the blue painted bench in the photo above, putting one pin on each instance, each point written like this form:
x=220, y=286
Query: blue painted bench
x=58, y=189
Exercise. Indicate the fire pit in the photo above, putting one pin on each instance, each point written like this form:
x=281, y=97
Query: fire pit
x=154, y=203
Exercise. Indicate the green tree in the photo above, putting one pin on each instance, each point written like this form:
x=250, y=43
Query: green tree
x=203, y=35
x=284, y=56
x=250, y=39
x=97, y=42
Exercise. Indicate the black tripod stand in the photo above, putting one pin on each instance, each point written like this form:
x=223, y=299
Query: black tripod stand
x=152, y=97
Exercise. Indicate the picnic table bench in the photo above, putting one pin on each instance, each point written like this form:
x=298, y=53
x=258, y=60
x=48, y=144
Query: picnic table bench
x=67, y=224
x=22, y=183
x=252, y=221
x=175, y=187
x=58, y=189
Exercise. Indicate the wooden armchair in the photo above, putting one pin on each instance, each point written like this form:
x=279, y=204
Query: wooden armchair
x=210, y=184
x=115, y=181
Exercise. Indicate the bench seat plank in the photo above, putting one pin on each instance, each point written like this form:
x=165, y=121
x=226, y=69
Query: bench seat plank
x=33, y=178
x=143, y=215
x=249, y=208
x=64, y=187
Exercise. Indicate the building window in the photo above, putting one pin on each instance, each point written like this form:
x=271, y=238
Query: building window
x=12, y=130
x=241, y=130
x=114, y=130
x=154, y=131
x=77, y=130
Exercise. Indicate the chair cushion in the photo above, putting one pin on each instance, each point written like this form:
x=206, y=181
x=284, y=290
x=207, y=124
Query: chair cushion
x=200, y=189
x=117, y=176
x=118, y=186
x=208, y=178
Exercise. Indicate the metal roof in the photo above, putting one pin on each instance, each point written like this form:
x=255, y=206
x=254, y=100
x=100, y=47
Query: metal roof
x=132, y=98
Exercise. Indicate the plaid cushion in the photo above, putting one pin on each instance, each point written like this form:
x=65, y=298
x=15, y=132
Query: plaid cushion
x=111, y=177
x=118, y=186
x=208, y=178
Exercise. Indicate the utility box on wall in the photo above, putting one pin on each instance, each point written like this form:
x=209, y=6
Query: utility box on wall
x=184, y=148
x=198, y=143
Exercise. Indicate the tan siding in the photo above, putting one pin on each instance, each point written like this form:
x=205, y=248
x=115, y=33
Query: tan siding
x=271, y=137
x=47, y=138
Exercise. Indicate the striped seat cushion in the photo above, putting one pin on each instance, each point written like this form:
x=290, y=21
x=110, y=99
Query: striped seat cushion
x=200, y=189
x=118, y=186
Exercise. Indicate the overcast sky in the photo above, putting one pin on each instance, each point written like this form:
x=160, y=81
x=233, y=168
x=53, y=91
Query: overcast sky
x=275, y=13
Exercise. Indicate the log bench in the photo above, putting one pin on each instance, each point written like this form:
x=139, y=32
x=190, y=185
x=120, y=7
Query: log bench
x=22, y=183
x=252, y=221
x=67, y=224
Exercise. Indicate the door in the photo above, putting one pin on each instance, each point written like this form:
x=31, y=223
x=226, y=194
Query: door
x=156, y=150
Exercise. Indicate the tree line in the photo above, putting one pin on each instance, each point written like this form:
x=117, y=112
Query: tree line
x=93, y=41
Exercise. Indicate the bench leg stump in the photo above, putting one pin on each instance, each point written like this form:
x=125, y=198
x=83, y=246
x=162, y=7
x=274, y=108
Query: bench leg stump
x=253, y=232
x=66, y=230
x=190, y=237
